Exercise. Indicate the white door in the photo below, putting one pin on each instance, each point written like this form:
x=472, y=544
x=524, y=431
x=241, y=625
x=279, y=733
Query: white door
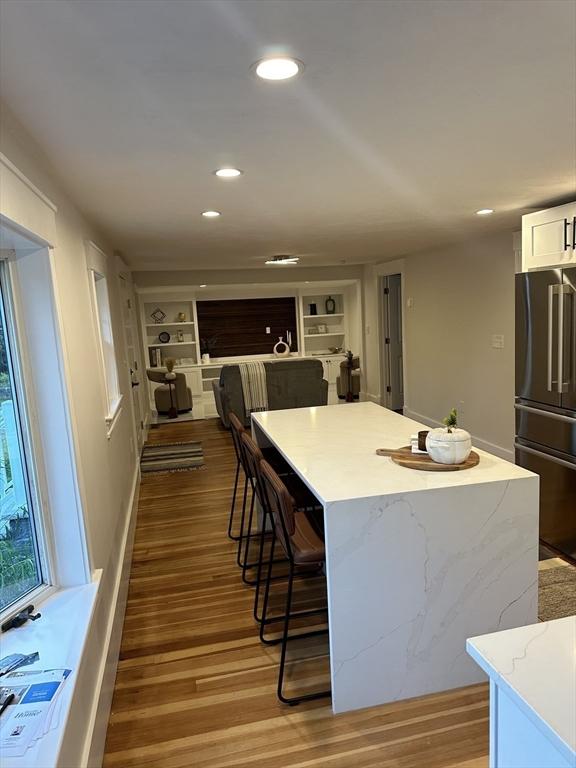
x=137, y=374
x=549, y=238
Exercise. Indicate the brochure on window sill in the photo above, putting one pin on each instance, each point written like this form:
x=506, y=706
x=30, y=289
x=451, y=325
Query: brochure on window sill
x=34, y=711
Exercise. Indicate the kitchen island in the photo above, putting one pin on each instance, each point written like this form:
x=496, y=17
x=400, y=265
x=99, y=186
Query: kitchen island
x=416, y=562
x=532, y=673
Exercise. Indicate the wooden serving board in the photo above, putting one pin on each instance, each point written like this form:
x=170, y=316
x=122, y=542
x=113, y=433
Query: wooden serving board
x=405, y=458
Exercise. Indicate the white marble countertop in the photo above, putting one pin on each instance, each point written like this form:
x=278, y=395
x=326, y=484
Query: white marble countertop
x=333, y=449
x=537, y=667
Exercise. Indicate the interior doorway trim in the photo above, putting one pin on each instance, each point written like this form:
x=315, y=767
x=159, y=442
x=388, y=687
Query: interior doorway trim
x=381, y=271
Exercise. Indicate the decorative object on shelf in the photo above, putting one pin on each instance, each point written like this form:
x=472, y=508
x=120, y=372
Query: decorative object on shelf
x=170, y=377
x=322, y=328
x=330, y=305
x=180, y=336
x=281, y=348
x=335, y=350
x=181, y=317
x=207, y=346
x=312, y=309
x=164, y=337
x=450, y=445
x=155, y=357
x=158, y=316
x=313, y=330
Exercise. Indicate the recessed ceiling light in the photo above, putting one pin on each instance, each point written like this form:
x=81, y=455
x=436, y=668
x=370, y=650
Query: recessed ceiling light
x=202, y=285
x=228, y=173
x=211, y=214
x=278, y=68
x=484, y=212
x=283, y=259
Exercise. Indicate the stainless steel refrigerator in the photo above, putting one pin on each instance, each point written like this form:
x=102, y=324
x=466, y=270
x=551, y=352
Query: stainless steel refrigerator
x=546, y=397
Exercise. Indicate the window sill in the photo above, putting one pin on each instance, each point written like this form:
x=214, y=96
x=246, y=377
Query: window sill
x=113, y=416
x=60, y=637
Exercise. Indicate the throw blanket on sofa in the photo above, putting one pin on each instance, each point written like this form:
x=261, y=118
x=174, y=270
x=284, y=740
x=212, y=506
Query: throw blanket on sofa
x=254, y=387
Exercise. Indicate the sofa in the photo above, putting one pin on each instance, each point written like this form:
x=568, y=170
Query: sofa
x=294, y=383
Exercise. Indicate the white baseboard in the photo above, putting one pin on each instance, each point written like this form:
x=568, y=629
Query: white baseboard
x=369, y=397
x=111, y=620
x=484, y=445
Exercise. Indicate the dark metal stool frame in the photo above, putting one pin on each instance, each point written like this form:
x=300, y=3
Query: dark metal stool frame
x=282, y=509
x=236, y=430
x=253, y=456
x=245, y=534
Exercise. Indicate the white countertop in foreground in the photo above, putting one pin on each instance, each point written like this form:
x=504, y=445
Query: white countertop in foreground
x=333, y=449
x=536, y=665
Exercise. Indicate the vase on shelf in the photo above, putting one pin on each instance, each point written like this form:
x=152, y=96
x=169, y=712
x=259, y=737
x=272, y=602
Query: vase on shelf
x=330, y=305
x=281, y=348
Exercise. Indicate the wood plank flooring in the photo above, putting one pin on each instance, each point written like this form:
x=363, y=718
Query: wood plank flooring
x=195, y=687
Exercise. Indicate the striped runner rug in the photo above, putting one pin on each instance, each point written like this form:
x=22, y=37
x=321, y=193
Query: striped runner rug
x=172, y=457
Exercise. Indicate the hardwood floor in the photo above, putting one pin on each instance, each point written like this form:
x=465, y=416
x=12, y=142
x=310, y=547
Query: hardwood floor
x=195, y=687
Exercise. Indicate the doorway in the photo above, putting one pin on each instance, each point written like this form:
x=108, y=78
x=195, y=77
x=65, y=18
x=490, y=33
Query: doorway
x=133, y=358
x=391, y=343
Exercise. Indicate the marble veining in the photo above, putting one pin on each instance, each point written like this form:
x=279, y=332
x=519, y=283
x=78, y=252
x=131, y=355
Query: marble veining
x=416, y=562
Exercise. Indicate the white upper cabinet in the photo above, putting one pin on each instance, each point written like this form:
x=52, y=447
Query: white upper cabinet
x=549, y=238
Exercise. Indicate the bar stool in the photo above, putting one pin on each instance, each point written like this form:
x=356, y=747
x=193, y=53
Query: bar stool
x=303, y=548
x=245, y=534
x=304, y=501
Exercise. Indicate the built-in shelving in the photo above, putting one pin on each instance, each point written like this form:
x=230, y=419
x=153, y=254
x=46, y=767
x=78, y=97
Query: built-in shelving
x=315, y=317
x=168, y=325
x=322, y=335
x=341, y=330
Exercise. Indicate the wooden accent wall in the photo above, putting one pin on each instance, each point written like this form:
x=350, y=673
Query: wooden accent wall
x=238, y=326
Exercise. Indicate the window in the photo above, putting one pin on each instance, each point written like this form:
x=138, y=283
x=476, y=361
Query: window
x=102, y=306
x=21, y=569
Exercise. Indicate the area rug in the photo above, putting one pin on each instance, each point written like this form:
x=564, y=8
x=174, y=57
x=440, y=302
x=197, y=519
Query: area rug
x=556, y=593
x=172, y=457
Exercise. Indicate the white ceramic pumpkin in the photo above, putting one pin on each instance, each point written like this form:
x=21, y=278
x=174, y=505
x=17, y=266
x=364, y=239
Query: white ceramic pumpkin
x=448, y=447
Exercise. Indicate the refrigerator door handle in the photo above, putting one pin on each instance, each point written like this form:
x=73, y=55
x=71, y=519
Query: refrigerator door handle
x=546, y=456
x=574, y=233
x=560, y=338
x=547, y=414
x=558, y=384
x=550, y=338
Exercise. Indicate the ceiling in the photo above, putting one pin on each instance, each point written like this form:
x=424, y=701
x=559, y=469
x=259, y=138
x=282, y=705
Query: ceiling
x=409, y=117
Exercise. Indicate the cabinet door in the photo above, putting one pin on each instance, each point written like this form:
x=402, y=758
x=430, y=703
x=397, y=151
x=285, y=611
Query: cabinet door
x=548, y=238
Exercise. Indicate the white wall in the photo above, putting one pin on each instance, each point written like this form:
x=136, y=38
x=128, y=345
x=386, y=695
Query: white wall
x=106, y=467
x=462, y=295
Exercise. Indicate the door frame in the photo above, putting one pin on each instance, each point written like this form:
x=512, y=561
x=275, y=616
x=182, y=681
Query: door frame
x=382, y=271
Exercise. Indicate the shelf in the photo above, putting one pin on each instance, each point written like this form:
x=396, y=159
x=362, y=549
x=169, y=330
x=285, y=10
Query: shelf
x=160, y=345
x=165, y=325
x=321, y=335
x=315, y=317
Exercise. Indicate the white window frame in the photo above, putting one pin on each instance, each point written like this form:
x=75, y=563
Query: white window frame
x=27, y=233
x=107, y=350
x=31, y=451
